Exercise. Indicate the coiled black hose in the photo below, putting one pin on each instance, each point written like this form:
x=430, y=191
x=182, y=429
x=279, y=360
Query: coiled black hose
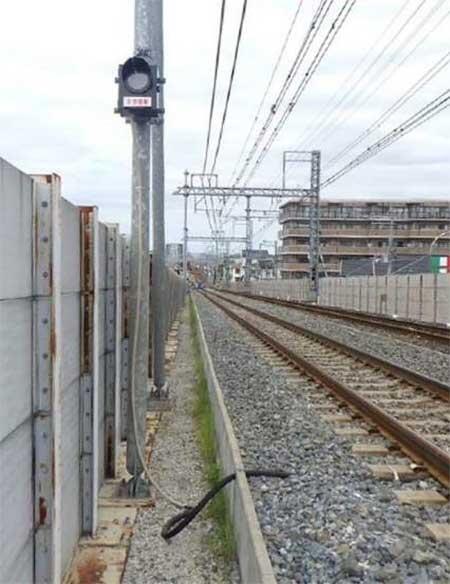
x=179, y=521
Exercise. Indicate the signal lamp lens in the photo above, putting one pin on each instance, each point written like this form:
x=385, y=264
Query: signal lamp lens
x=138, y=82
x=136, y=75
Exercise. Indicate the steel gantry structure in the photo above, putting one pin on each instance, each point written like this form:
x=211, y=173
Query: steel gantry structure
x=213, y=190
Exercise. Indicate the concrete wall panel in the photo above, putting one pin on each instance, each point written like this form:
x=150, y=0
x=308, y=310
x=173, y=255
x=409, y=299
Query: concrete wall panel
x=70, y=380
x=16, y=505
x=70, y=253
x=16, y=211
x=15, y=364
x=16, y=495
x=416, y=296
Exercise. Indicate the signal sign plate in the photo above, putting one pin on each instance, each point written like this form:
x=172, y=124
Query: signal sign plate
x=137, y=102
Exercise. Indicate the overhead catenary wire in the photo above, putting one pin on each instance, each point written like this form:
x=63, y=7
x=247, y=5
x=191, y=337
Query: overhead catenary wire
x=211, y=110
x=424, y=79
x=214, y=88
x=311, y=33
x=384, y=78
x=329, y=109
x=262, y=102
x=267, y=89
x=230, y=84
x=366, y=93
x=348, y=86
x=313, y=29
x=326, y=43
x=427, y=112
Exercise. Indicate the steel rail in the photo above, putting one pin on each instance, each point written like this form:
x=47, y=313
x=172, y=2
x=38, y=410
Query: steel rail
x=434, y=386
x=426, y=330
x=423, y=452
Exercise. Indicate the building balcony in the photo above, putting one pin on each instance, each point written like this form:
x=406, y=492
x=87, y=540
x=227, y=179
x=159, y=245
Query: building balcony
x=324, y=216
x=357, y=250
x=372, y=233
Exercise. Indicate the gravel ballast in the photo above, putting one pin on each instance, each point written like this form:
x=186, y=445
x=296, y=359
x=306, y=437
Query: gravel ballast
x=331, y=521
x=178, y=467
x=388, y=346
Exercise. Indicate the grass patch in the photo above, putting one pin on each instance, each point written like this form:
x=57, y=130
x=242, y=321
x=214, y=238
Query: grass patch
x=223, y=540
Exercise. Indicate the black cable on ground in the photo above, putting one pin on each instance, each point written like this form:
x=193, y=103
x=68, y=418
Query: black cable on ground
x=179, y=521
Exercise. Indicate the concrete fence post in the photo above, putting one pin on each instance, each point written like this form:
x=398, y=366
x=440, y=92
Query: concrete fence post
x=435, y=296
x=89, y=367
x=47, y=398
x=376, y=303
x=113, y=341
x=125, y=353
x=395, y=294
x=367, y=292
x=407, y=296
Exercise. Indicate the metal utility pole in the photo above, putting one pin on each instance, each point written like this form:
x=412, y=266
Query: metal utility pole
x=275, y=259
x=139, y=263
x=200, y=192
x=248, y=233
x=390, y=246
x=314, y=225
x=313, y=157
x=185, y=240
x=158, y=291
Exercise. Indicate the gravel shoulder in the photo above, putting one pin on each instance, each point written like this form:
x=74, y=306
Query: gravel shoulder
x=418, y=358
x=331, y=521
x=178, y=467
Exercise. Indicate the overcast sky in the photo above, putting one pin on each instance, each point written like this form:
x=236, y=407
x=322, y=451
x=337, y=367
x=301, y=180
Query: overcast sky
x=57, y=94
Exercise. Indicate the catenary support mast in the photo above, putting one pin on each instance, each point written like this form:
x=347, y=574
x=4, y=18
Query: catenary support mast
x=248, y=234
x=139, y=260
x=158, y=291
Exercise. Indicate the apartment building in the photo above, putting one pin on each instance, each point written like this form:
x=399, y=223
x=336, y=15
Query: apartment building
x=373, y=230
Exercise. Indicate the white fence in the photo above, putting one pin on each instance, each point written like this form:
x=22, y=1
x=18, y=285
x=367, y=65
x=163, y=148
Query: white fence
x=63, y=371
x=423, y=297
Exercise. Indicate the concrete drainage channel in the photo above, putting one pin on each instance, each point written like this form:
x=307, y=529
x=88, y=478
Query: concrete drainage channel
x=254, y=562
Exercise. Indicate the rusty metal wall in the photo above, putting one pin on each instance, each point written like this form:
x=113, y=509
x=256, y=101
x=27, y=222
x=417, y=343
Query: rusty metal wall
x=16, y=495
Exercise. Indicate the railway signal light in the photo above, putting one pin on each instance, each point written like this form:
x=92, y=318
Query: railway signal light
x=139, y=86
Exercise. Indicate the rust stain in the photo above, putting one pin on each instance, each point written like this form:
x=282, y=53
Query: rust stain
x=42, y=510
x=109, y=456
x=52, y=332
x=87, y=285
x=91, y=570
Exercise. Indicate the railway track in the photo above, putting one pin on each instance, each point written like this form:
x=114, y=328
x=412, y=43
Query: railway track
x=420, y=330
x=407, y=408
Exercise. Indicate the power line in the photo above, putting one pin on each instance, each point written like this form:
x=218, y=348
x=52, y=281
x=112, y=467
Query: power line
x=314, y=27
x=350, y=108
x=427, y=112
x=230, y=84
x=311, y=33
x=333, y=31
x=327, y=112
x=213, y=94
x=412, y=90
x=269, y=85
x=345, y=85
x=211, y=113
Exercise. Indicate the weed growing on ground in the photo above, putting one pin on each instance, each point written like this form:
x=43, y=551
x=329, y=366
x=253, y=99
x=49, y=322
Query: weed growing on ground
x=223, y=540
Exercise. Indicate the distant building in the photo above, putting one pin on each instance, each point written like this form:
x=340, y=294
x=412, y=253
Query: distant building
x=370, y=233
x=174, y=253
